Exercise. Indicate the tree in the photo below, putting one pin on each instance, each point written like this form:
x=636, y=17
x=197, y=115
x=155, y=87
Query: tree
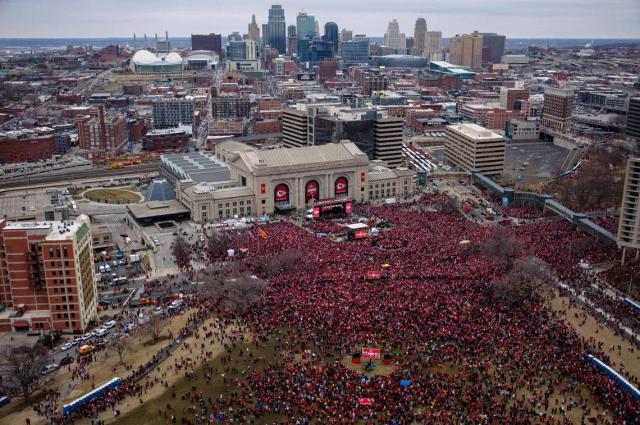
x=290, y=260
x=236, y=294
x=153, y=327
x=217, y=244
x=181, y=251
x=528, y=276
x=23, y=368
x=120, y=347
x=502, y=247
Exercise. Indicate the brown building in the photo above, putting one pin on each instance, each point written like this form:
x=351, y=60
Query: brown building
x=557, y=108
x=466, y=50
x=509, y=97
x=444, y=82
x=211, y=42
x=375, y=83
x=103, y=134
x=166, y=139
x=327, y=70
x=230, y=106
x=27, y=145
x=47, y=276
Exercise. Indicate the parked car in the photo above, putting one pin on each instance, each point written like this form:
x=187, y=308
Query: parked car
x=86, y=349
x=66, y=346
x=66, y=360
x=86, y=337
x=49, y=368
x=110, y=324
x=101, y=332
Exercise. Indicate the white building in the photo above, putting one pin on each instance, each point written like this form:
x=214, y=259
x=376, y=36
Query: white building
x=470, y=146
x=629, y=227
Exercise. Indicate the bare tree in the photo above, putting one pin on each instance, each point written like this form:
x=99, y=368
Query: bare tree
x=181, y=251
x=502, y=247
x=528, y=277
x=119, y=346
x=153, y=327
x=290, y=260
x=236, y=294
x=217, y=244
x=23, y=368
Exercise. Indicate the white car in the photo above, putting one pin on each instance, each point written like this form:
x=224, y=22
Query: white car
x=67, y=346
x=86, y=337
x=77, y=341
x=110, y=324
x=49, y=368
x=101, y=332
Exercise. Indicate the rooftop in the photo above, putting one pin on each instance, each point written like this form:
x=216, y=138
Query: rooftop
x=196, y=166
x=475, y=132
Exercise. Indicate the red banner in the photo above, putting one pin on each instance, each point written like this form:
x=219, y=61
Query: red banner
x=362, y=176
x=347, y=208
x=360, y=234
x=374, y=275
x=311, y=190
x=342, y=185
x=365, y=401
x=371, y=353
x=316, y=212
x=263, y=188
x=281, y=193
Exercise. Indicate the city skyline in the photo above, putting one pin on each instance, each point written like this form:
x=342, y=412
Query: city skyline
x=514, y=18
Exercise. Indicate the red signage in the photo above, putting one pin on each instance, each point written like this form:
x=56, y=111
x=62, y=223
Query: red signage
x=281, y=193
x=316, y=212
x=362, y=176
x=347, y=208
x=374, y=274
x=360, y=234
x=371, y=353
x=311, y=190
x=365, y=401
x=263, y=188
x=342, y=185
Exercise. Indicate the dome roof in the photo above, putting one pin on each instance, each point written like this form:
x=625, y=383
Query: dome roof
x=173, y=57
x=145, y=57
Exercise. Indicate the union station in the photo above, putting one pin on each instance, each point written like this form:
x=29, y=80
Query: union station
x=243, y=181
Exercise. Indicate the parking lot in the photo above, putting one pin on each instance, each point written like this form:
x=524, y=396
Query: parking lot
x=534, y=162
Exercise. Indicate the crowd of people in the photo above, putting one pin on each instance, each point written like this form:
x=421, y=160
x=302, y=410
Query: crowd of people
x=462, y=356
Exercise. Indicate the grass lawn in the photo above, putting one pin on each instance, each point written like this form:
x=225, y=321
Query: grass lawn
x=113, y=195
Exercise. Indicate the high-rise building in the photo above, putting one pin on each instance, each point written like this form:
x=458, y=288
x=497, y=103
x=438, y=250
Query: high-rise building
x=510, y=95
x=235, y=36
x=47, y=277
x=277, y=29
x=466, y=50
x=251, y=49
x=265, y=35
x=236, y=50
x=305, y=26
x=355, y=50
x=633, y=121
x=303, y=49
x=211, y=42
x=320, y=49
x=327, y=69
x=254, y=30
x=492, y=47
x=331, y=35
x=557, y=109
x=393, y=38
x=105, y=133
x=292, y=40
x=388, y=134
x=230, y=106
x=420, y=38
x=434, y=46
x=172, y=112
x=469, y=146
x=629, y=227
x=346, y=35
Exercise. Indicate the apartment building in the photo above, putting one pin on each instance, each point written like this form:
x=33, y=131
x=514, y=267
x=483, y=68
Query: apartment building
x=172, y=112
x=47, y=275
x=107, y=132
x=629, y=227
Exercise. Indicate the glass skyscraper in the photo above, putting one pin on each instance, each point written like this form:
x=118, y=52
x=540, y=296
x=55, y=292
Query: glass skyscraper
x=277, y=29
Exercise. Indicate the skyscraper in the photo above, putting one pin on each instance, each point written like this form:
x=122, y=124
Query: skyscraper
x=420, y=37
x=265, y=35
x=466, y=50
x=331, y=35
x=633, y=121
x=355, y=50
x=629, y=227
x=346, y=35
x=305, y=26
x=492, y=47
x=254, y=31
x=393, y=38
x=277, y=29
x=557, y=108
x=434, y=46
x=292, y=39
x=211, y=42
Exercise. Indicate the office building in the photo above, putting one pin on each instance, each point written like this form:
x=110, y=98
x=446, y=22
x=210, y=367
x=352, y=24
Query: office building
x=629, y=227
x=331, y=35
x=277, y=35
x=356, y=50
x=265, y=36
x=509, y=96
x=388, y=132
x=557, y=108
x=236, y=50
x=251, y=50
x=466, y=50
x=211, y=42
x=304, y=45
x=105, y=133
x=434, y=46
x=492, y=47
x=27, y=145
x=374, y=82
x=320, y=49
x=327, y=69
x=48, y=279
x=172, y=112
x=305, y=26
x=292, y=40
x=470, y=146
x=346, y=35
x=254, y=30
x=163, y=46
x=420, y=47
x=393, y=38
x=230, y=106
x=633, y=121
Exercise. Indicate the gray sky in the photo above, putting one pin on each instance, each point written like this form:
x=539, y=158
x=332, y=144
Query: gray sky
x=514, y=18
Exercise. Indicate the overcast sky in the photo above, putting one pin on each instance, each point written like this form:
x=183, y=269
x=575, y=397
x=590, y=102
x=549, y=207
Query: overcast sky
x=514, y=18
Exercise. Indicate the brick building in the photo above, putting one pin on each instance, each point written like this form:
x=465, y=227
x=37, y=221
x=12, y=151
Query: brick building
x=47, y=276
x=166, y=139
x=230, y=106
x=103, y=134
x=27, y=145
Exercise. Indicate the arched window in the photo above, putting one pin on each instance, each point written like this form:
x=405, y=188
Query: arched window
x=281, y=193
x=342, y=186
x=312, y=190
